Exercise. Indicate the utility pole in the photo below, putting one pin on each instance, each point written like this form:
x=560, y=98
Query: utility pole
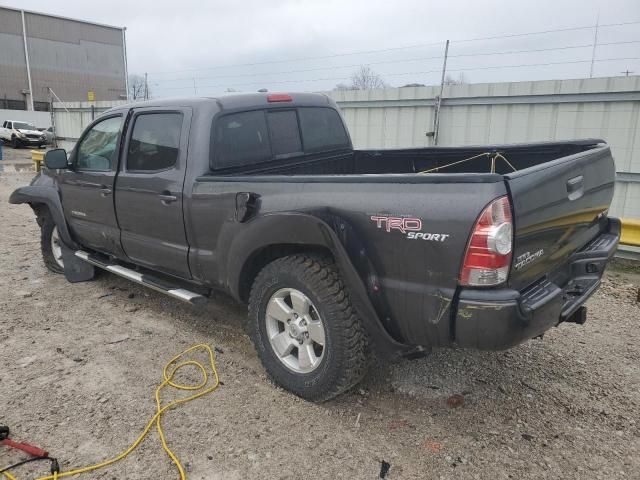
x=146, y=87
x=595, y=44
x=26, y=57
x=626, y=72
x=436, y=118
x=195, y=90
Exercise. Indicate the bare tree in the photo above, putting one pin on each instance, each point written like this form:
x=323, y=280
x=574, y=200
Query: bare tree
x=363, y=79
x=366, y=79
x=137, y=87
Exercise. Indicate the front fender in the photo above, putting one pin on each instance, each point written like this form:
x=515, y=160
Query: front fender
x=45, y=194
x=317, y=229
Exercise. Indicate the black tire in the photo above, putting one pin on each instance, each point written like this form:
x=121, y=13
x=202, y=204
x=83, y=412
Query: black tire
x=46, y=230
x=346, y=355
x=15, y=143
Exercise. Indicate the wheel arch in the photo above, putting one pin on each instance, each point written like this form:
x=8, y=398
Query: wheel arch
x=44, y=199
x=262, y=256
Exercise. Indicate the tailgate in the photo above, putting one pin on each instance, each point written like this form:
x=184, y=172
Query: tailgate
x=558, y=207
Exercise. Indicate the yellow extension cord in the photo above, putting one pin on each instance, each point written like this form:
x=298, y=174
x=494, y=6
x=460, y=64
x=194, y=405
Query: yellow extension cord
x=200, y=389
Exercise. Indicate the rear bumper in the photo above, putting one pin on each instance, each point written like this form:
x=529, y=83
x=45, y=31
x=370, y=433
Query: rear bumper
x=499, y=319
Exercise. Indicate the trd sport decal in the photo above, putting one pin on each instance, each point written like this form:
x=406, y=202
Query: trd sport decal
x=409, y=226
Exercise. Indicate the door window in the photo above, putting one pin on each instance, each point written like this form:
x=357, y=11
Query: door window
x=98, y=148
x=155, y=142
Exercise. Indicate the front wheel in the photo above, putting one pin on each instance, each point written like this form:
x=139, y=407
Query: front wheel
x=15, y=143
x=50, y=245
x=306, y=332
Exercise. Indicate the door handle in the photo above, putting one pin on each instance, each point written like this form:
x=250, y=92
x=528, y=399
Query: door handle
x=166, y=198
x=575, y=187
x=105, y=191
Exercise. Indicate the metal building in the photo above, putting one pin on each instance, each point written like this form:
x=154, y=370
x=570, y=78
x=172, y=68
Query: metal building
x=77, y=60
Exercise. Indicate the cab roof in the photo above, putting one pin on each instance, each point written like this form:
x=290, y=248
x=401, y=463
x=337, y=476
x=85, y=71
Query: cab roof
x=234, y=101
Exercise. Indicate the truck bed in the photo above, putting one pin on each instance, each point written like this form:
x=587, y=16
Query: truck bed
x=429, y=159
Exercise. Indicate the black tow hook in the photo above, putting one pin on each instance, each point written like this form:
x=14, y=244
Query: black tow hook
x=579, y=316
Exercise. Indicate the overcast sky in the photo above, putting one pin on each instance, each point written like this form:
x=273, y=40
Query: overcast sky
x=209, y=43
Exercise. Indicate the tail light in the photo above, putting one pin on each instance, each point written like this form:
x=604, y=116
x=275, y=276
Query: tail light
x=488, y=255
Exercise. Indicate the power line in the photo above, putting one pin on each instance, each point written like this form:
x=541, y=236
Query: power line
x=586, y=27
x=364, y=52
x=419, y=59
x=407, y=73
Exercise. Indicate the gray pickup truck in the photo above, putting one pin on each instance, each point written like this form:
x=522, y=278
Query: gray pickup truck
x=339, y=253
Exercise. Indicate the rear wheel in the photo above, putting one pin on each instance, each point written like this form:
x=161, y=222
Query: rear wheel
x=50, y=245
x=307, y=334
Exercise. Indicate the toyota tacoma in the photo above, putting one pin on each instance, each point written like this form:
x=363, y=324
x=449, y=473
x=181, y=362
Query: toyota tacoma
x=340, y=254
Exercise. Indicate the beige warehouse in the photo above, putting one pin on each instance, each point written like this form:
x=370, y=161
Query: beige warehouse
x=41, y=51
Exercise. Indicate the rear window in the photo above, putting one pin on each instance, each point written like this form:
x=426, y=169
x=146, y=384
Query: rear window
x=247, y=138
x=285, y=137
x=322, y=129
x=241, y=139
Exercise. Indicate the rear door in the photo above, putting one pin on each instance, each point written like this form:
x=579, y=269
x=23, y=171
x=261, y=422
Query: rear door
x=86, y=188
x=148, y=194
x=559, y=206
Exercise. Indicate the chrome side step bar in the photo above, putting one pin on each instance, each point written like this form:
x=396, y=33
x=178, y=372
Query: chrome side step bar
x=144, y=279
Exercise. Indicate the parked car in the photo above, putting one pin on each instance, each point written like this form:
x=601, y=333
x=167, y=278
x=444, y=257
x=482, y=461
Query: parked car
x=21, y=134
x=339, y=253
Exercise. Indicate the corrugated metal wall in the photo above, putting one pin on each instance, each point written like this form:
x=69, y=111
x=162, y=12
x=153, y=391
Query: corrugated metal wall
x=70, y=56
x=607, y=108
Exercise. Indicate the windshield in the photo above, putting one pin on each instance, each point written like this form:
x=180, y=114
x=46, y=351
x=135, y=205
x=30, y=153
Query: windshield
x=23, y=126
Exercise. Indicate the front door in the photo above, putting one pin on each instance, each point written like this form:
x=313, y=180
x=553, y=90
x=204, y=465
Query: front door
x=148, y=194
x=86, y=188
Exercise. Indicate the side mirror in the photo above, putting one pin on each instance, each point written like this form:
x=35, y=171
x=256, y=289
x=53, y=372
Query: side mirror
x=56, y=159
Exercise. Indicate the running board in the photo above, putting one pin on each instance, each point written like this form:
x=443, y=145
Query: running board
x=144, y=279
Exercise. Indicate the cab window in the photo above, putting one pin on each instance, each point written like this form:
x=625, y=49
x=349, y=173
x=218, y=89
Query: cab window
x=155, y=142
x=241, y=139
x=322, y=129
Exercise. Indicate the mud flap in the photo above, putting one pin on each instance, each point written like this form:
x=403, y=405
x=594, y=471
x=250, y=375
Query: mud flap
x=75, y=269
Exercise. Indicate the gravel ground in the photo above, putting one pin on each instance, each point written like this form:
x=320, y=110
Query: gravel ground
x=78, y=366
x=17, y=160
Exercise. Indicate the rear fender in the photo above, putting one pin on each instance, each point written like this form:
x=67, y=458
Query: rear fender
x=320, y=229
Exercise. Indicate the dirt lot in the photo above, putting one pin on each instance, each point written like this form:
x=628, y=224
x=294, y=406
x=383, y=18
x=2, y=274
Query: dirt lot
x=17, y=160
x=78, y=365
